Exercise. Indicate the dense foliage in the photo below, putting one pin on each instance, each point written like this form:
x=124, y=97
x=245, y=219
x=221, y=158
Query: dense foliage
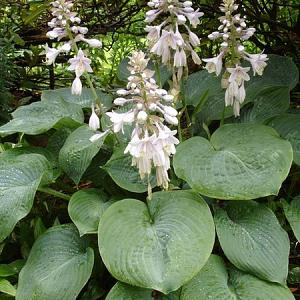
x=163, y=177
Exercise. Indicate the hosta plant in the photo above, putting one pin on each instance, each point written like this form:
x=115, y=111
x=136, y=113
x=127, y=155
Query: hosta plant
x=174, y=185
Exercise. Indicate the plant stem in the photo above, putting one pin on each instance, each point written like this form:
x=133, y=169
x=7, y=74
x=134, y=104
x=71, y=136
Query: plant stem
x=157, y=71
x=55, y=193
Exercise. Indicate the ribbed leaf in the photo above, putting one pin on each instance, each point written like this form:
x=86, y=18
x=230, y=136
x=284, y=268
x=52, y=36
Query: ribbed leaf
x=86, y=208
x=122, y=291
x=125, y=175
x=232, y=165
x=270, y=102
x=292, y=213
x=161, y=245
x=78, y=151
x=7, y=288
x=85, y=100
x=213, y=282
x=39, y=117
x=288, y=126
x=20, y=177
x=253, y=240
x=53, y=171
x=58, y=267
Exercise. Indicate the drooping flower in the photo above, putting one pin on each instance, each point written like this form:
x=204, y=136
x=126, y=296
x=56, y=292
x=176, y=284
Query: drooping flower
x=257, y=61
x=215, y=64
x=51, y=54
x=149, y=107
x=235, y=93
x=121, y=119
x=80, y=64
x=172, y=39
x=233, y=31
x=66, y=25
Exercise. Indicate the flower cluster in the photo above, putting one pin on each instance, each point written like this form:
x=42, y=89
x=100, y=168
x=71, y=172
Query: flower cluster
x=233, y=31
x=149, y=108
x=168, y=40
x=65, y=25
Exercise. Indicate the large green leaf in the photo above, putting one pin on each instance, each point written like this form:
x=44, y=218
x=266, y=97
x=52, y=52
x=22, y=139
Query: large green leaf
x=253, y=240
x=292, y=213
x=58, y=267
x=86, y=208
x=20, y=177
x=125, y=175
x=85, y=100
x=216, y=283
x=78, y=151
x=159, y=245
x=39, y=117
x=240, y=162
x=288, y=126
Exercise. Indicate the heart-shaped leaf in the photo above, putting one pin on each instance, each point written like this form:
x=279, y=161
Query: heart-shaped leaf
x=20, y=176
x=213, y=282
x=292, y=213
x=78, y=151
x=161, y=245
x=125, y=175
x=39, y=117
x=253, y=240
x=85, y=100
x=58, y=267
x=288, y=126
x=240, y=162
x=86, y=208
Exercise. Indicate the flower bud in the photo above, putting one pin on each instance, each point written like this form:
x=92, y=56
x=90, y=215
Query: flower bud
x=94, y=122
x=120, y=101
x=171, y=120
x=187, y=3
x=142, y=117
x=77, y=87
x=94, y=43
x=170, y=111
x=122, y=92
x=168, y=98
